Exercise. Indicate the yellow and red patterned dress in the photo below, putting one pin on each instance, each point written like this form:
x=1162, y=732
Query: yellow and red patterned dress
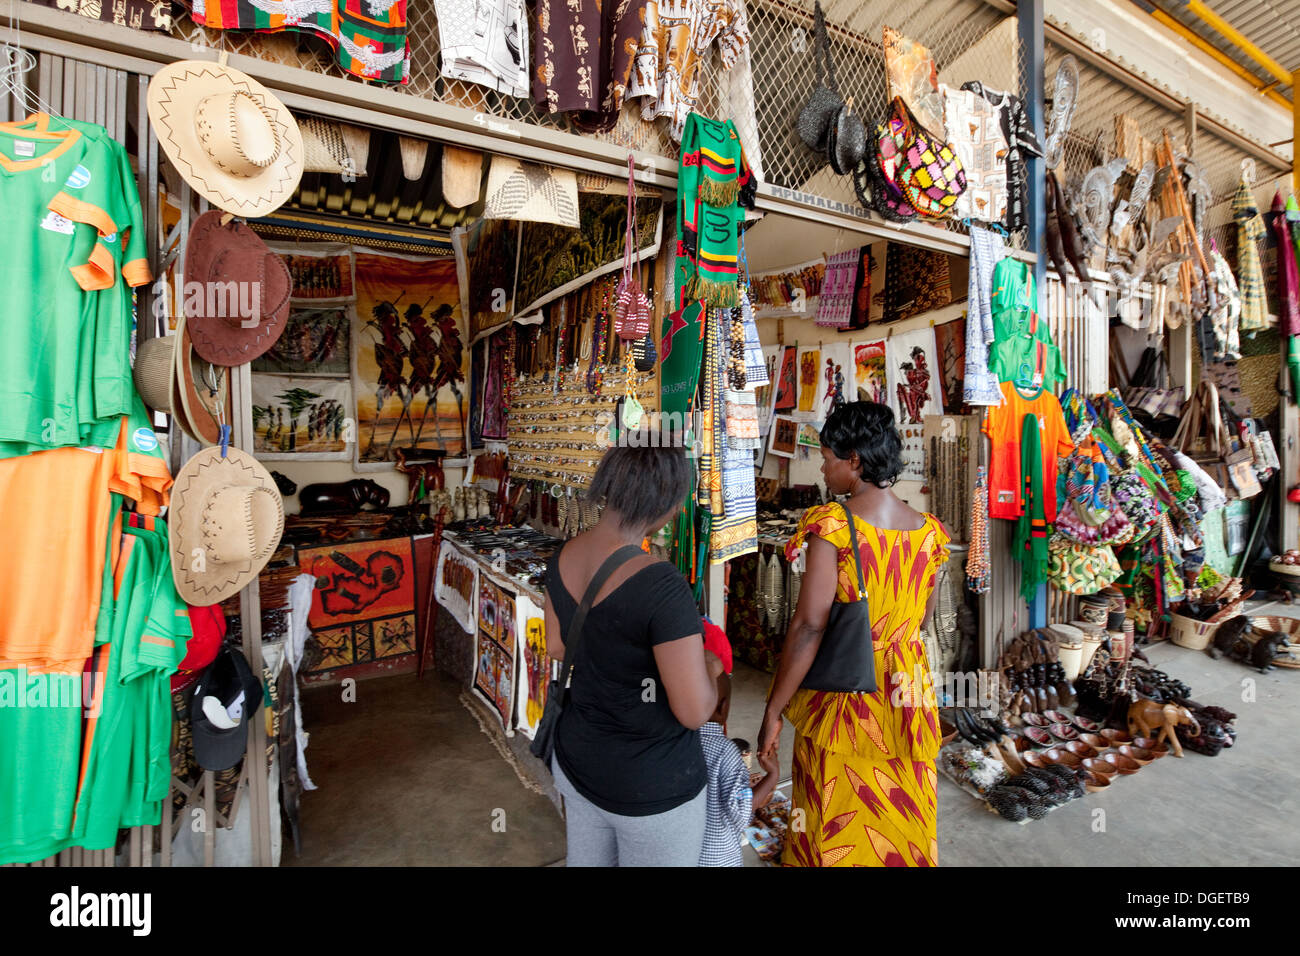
x=864, y=772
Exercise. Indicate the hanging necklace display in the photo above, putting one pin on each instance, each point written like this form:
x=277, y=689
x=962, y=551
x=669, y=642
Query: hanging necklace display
x=559, y=348
x=596, y=368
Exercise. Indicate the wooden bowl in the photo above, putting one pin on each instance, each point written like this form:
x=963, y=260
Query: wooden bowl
x=1140, y=754
x=1086, y=725
x=1022, y=743
x=947, y=731
x=1082, y=749
x=1120, y=762
x=1095, y=740
x=1063, y=732
x=1117, y=737
x=1100, y=767
x=1035, y=758
x=1056, y=717
x=1039, y=736
x=1153, y=746
x=1034, y=720
x=1063, y=757
x=1095, y=782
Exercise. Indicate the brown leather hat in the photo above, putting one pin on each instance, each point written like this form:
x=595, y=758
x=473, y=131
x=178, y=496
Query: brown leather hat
x=236, y=291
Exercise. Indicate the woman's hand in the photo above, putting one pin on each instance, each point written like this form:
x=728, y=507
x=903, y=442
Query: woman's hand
x=769, y=737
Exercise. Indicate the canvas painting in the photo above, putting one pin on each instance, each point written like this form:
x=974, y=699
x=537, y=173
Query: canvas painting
x=784, y=436
x=363, y=616
x=787, y=393
x=408, y=358
x=534, y=665
x=837, y=378
x=913, y=384
x=295, y=417
x=321, y=271
x=950, y=341
x=870, y=380
x=315, y=341
x=810, y=384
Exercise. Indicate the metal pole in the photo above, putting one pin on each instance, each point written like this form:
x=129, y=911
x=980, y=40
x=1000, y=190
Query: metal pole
x=1033, y=57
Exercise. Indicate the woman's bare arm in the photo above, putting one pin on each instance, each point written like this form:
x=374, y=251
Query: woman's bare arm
x=690, y=681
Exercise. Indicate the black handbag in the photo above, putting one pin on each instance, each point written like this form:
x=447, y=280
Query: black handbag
x=544, y=740
x=814, y=121
x=846, y=658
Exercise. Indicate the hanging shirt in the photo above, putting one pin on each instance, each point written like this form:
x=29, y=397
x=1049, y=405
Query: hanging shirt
x=674, y=44
x=60, y=508
x=1022, y=142
x=77, y=245
x=1003, y=426
x=980, y=385
x=485, y=42
x=974, y=131
x=583, y=55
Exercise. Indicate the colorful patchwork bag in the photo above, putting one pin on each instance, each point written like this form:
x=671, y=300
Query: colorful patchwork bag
x=1079, y=569
x=921, y=166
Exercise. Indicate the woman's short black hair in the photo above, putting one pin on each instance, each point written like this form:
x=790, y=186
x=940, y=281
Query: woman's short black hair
x=642, y=478
x=868, y=429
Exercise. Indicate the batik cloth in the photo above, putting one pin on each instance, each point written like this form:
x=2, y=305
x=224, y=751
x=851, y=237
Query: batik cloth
x=981, y=385
x=1031, y=526
x=1250, y=274
x=674, y=44
x=485, y=42
x=755, y=365
x=974, y=131
x=713, y=183
x=1225, y=318
x=583, y=56
x=835, y=304
x=369, y=41
x=1288, y=282
x=864, y=773
x=735, y=520
x=1022, y=142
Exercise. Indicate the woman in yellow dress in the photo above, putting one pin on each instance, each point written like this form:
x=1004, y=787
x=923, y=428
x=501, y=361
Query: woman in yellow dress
x=864, y=776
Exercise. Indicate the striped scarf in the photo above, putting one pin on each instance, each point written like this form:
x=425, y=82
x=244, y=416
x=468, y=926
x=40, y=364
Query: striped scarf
x=1250, y=280
x=711, y=175
x=1031, y=526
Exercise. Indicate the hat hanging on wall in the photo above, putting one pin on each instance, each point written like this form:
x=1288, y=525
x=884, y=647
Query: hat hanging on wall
x=415, y=153
x=231, y=139
x=203, y=388
x=323, y=147
x=357, y=141
x=226, y=520
x=531, y=192
x=462, y=176
x=245, y=289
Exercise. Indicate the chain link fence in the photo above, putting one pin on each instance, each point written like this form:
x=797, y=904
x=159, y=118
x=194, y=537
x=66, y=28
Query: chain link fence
x=969, y=39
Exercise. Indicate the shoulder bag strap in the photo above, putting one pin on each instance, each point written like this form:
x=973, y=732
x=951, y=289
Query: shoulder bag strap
x=574, y=638
x=822, y=50
x=857, y=556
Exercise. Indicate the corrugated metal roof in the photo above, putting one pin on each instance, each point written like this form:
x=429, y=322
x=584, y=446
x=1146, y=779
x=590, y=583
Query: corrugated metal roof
x=1272, y=25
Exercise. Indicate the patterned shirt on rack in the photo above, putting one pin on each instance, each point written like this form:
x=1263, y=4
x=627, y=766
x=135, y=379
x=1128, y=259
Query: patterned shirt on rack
x=1022, y=142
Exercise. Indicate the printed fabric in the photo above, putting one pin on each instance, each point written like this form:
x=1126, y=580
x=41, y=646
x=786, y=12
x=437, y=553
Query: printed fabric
x=674, y=44
x=981, y=385
x=1250, y=274
x=835, y=304
x=369, y=39
x=485, y=42
x=974, y=131
x=1022, y=142
x=733, y=499
x=583, y=56
x=864, y=771
x=1225, y=318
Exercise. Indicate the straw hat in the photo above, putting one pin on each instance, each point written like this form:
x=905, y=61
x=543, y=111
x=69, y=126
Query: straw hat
x=237, y=271
x=227, y=135
x=158, y=380
x=226, y=520
x=462, y=175
x=203, y=388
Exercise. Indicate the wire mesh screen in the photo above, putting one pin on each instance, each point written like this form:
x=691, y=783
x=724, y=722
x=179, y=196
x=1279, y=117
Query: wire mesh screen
x=969, y=40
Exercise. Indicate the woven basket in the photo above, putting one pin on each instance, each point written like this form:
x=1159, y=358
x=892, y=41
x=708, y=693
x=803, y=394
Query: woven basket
x=1191, y=633
x=1289, y=626
x=1290, y=570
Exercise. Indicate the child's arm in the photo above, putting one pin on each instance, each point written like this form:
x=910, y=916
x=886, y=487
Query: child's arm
x=767, y=786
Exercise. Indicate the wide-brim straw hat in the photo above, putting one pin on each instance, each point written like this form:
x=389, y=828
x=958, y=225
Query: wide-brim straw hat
x=231, y=139
x=225, y=522
x=234, y=270
x=158, y=381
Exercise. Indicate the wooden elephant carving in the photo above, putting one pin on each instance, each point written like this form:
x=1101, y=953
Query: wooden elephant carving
x=1154, y=719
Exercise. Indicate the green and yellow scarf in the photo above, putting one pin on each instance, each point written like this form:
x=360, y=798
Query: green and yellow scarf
x=1031, y=527
x=713, y=183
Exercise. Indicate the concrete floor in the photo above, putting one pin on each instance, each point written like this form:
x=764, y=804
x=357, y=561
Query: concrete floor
x=406, y=777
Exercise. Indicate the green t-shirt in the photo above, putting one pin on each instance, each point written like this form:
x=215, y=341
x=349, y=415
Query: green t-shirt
x=77, y=243
x=1013, y=287
x=1026, y=361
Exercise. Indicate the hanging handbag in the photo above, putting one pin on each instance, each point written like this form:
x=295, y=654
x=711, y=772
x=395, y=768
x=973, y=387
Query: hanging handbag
x=814, y=122
x=1153, y=403
x=543, y=745
x=631, y=306
x=846, y=658
x=919, y=164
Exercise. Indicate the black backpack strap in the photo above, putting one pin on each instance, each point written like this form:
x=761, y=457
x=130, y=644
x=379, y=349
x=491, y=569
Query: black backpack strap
x=574, y=638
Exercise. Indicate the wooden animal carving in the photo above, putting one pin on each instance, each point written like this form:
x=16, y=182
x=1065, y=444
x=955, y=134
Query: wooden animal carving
x=1149, y=716
x=427, y=472
x=342, y=497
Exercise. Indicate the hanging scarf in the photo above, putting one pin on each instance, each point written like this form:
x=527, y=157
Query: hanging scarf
x=1031, y=526
x=713, y=180
x=1250, y=283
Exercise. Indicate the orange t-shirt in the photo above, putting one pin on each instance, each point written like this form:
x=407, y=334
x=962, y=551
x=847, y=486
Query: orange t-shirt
x=56, y=542
x=1003, y=426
